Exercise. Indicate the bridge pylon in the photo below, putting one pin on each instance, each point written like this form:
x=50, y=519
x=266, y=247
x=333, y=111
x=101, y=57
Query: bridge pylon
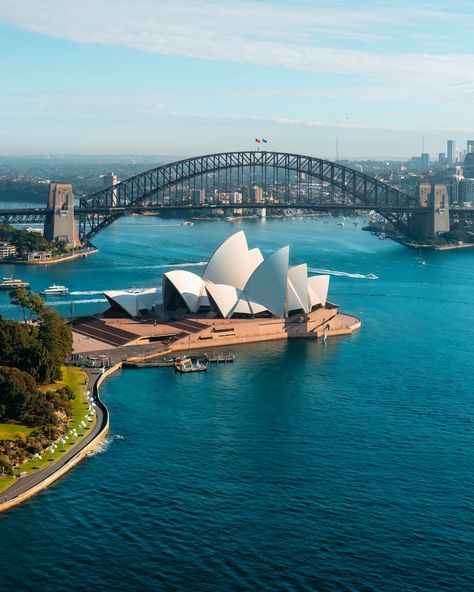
x=60, y=225
x=435, y=219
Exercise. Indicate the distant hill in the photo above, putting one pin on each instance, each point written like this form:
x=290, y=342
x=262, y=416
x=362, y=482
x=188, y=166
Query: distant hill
x=23, y=191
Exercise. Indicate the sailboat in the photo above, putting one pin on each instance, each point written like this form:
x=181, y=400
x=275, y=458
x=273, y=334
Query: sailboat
x=420, y=259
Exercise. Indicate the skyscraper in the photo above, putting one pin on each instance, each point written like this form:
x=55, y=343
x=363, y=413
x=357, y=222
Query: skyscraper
x=470, y=146
x=451, y=151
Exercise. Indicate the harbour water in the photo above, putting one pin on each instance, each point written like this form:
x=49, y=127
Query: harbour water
x=303, y=466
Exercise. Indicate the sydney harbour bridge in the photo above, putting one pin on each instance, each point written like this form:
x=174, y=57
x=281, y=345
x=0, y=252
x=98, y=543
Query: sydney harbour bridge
x=242, y=180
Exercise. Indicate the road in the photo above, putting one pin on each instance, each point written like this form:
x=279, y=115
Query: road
x=23, y=484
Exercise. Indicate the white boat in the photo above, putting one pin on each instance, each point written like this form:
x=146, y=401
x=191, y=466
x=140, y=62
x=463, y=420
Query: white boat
x=12, y=284
x=187, y=223
x=55, y=290
x=420, y=259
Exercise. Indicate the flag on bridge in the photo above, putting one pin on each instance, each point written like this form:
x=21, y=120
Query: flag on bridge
x=257, y=141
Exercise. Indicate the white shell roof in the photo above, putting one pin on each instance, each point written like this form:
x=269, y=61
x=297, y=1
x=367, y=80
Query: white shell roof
x=297, y=290
x=230, y=262
x=267, y=285
x=318, y=287
x=239, y=280
x=189, y=285
x=224, y=296
x=133, y=301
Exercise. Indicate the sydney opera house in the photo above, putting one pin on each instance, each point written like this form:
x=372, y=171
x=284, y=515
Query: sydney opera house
x=237, y=282
x=240, y=297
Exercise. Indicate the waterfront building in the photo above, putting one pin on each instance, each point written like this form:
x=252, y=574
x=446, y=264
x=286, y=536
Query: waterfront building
x=198, y=196
x=132, y=302
x=7, y=250
x=257, y=194
x=239, y=282
x=40, y=256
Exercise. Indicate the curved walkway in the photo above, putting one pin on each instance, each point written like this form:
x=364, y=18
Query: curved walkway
x=26, y=487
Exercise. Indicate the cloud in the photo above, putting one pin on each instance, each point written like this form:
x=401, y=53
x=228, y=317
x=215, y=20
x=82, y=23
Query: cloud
x=309, y=36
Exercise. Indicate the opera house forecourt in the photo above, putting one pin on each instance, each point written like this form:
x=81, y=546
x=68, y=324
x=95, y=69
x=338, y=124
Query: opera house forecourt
x=241, y=297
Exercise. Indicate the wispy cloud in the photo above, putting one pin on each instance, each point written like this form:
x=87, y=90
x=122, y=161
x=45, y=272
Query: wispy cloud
x=308, y=36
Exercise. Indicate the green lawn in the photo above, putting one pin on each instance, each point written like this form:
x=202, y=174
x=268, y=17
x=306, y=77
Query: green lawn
x=75, y=378
x=9, y=431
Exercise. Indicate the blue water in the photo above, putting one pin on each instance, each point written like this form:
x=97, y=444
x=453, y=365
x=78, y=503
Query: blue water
x=305, y=467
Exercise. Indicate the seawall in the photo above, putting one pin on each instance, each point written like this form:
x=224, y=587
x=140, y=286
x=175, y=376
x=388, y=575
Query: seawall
x=84, y=451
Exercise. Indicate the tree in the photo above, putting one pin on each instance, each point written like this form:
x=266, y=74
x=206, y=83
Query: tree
x=28, y=301
x=17, y=392
x=56, y=336
x=5, y=465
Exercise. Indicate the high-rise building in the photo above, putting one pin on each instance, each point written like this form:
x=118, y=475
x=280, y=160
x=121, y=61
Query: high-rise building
x=198, y=196
x=468, y=166
x=451, y=149
x=467, y=191
x=442, y=158
x=257, y=194
x=425, y=161
x=470, y=146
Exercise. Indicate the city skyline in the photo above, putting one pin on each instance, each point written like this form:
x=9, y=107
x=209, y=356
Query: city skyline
x=200, y=77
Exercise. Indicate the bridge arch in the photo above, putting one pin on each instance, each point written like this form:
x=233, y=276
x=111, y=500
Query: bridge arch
x=103, y=207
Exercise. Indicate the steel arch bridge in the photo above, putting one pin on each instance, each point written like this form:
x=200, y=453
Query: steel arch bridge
x=100, y=209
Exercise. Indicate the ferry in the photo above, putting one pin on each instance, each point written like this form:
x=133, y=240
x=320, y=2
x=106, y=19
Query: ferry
x=12, y=284
x=55, y=290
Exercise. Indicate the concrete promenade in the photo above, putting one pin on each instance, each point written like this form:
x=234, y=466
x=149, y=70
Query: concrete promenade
x=25, y=487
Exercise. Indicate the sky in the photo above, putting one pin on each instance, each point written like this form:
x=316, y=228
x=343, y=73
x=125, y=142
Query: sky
x=190, y=77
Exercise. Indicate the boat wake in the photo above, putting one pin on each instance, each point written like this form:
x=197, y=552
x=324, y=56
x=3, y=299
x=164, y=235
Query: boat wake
x=358, y=276
x=104, y=445
x=164, y=266
x=83, y=301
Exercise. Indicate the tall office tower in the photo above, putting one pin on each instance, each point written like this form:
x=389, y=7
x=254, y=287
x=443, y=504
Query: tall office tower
x=109, y=180
x=470, y=146
x=451, y=151
x=442, y=158
x=468, y=166
x=425, y=161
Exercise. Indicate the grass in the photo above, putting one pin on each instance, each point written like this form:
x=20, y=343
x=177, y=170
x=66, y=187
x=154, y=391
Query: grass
x=9, y=431
x=76, y=379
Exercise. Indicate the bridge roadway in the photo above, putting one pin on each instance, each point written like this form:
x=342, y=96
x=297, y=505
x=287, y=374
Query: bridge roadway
x=26, y=215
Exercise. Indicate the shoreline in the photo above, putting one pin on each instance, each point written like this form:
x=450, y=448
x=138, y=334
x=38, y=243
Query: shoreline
x=46, y=477
x=53, y=260
x=26, y=487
